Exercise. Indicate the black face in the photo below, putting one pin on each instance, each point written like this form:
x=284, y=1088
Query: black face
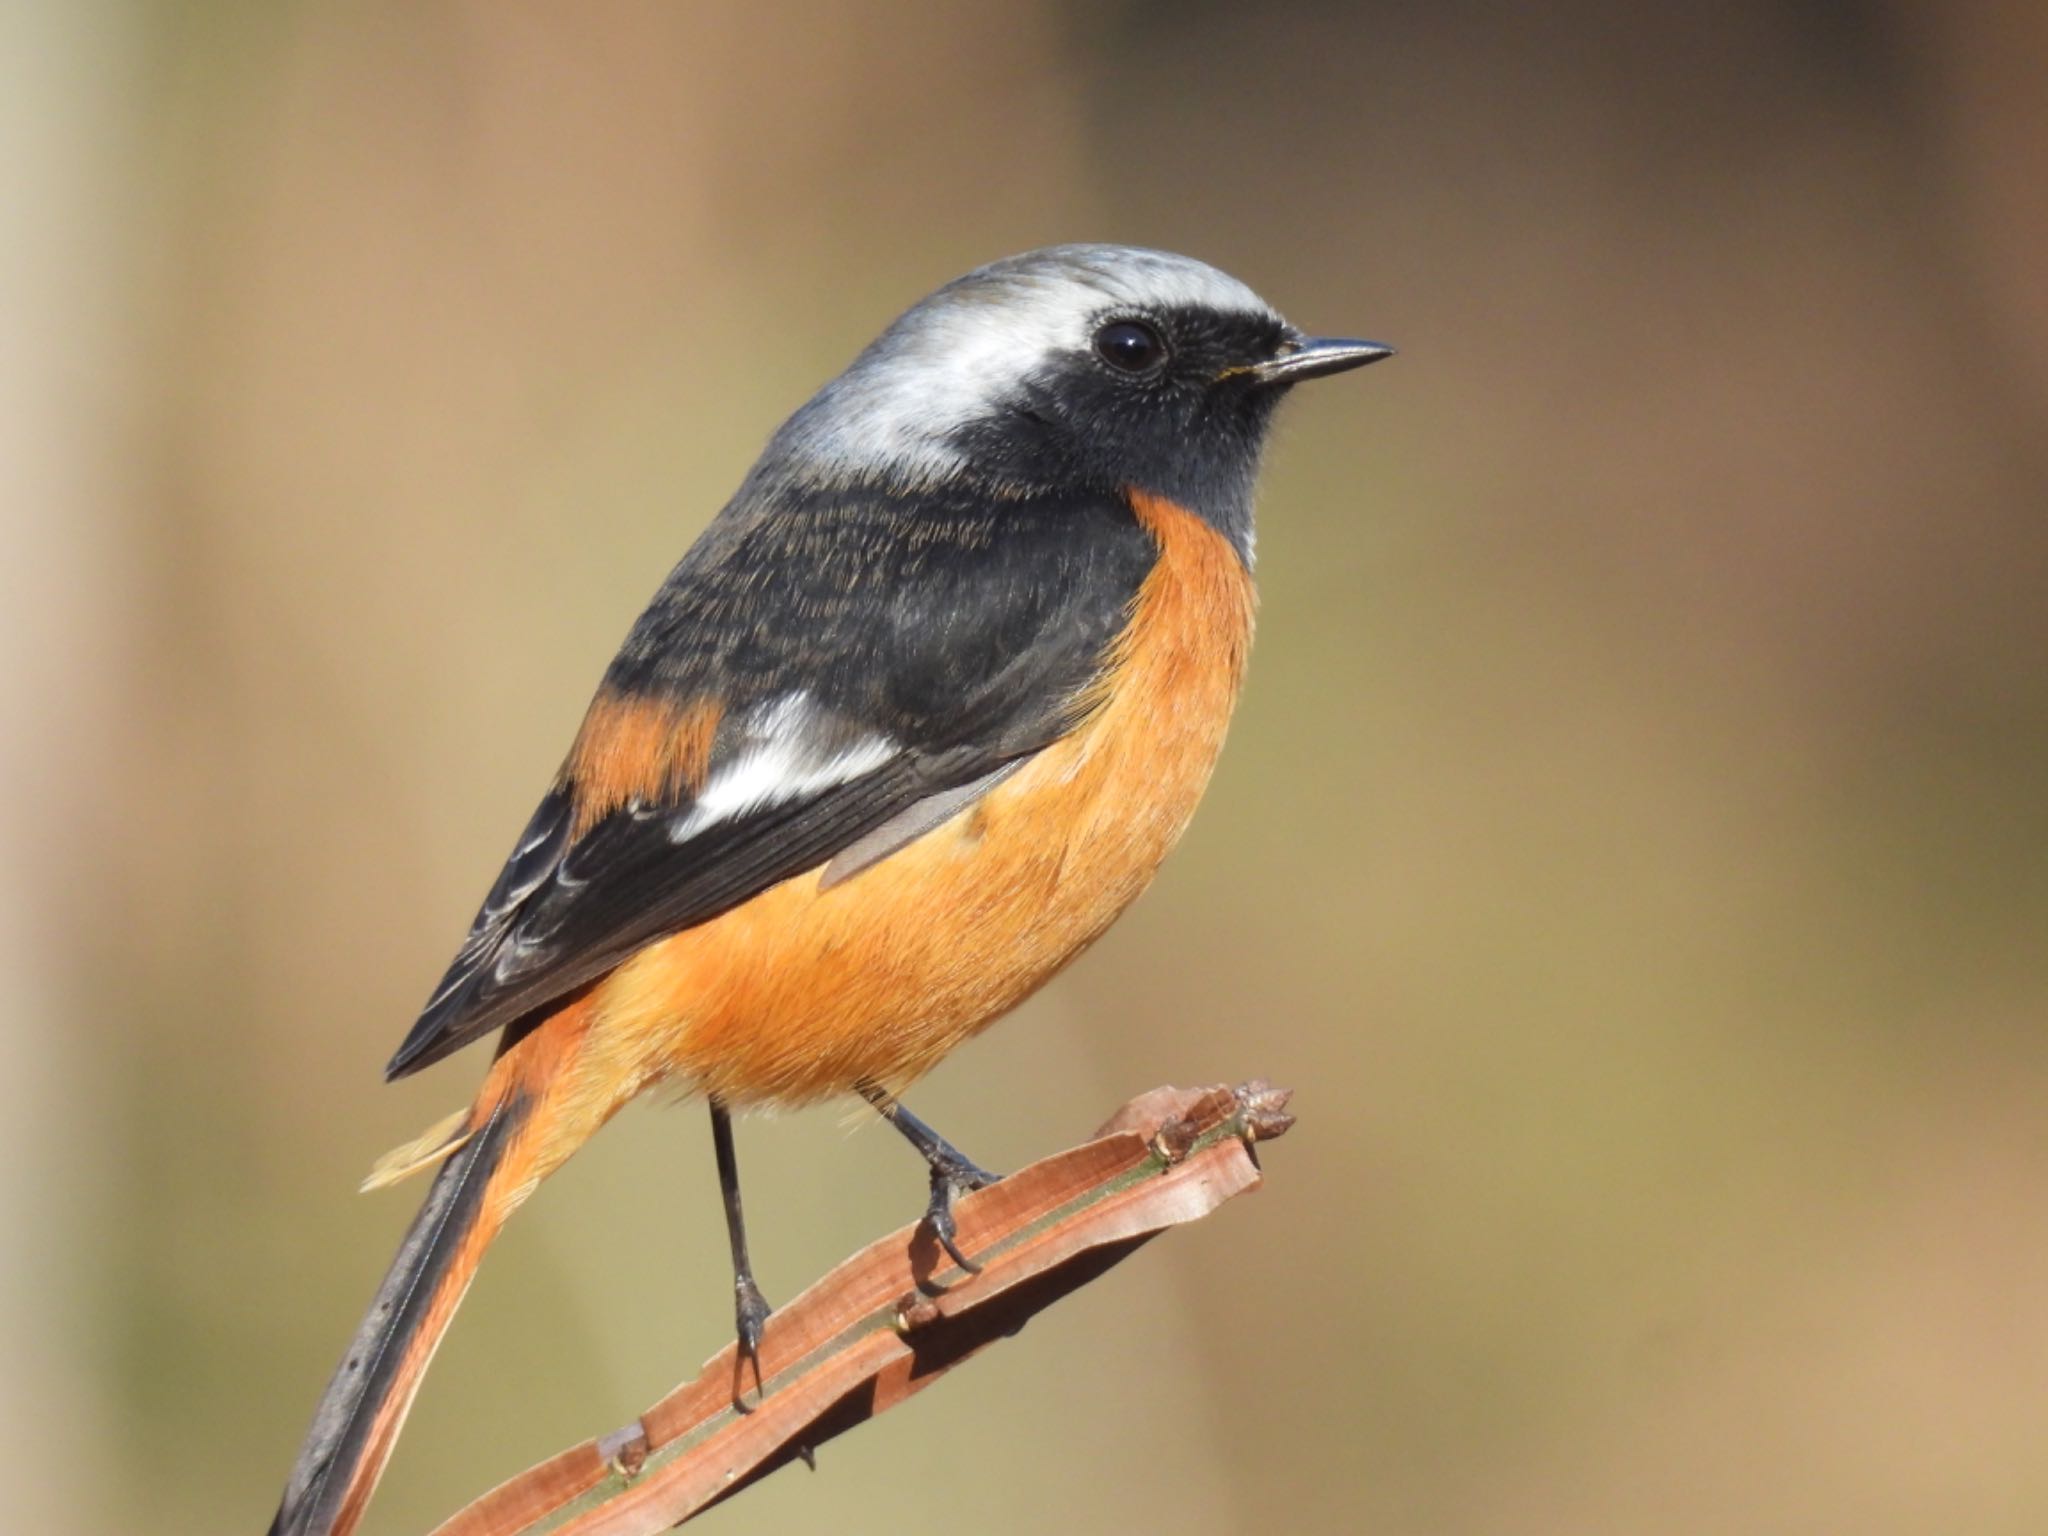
x=1162, y=400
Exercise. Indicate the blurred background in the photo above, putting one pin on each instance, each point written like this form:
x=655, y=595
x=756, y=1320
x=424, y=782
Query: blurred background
x=1633, y=843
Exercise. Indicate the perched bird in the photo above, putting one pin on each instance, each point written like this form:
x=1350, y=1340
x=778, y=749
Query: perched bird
x=906, y=729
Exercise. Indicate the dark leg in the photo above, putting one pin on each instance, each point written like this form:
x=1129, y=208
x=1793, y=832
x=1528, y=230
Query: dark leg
x=750, y=1307
x=953, y=1171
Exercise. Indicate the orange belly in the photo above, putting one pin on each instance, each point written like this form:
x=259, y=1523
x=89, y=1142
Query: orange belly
x=805, y=992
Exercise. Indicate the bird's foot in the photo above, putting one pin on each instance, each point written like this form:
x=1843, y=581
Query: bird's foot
x=750, y=1318
x=953, y=1174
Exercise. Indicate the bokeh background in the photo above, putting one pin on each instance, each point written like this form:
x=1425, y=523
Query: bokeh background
x=1633, y=844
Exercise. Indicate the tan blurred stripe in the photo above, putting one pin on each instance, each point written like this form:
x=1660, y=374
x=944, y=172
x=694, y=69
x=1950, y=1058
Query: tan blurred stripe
x=61, y=126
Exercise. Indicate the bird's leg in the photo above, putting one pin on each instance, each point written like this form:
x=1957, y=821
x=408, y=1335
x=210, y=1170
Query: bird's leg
x=953, y=1171
x=750, y=1307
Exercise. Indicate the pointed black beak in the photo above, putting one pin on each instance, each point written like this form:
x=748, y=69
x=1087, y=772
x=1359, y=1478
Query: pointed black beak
x=1315, y=357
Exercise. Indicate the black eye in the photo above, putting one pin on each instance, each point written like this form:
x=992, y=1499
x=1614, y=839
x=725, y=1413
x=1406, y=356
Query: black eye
x=1130, y=346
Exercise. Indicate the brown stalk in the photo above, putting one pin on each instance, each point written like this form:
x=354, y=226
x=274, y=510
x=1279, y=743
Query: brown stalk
x=896, y=1316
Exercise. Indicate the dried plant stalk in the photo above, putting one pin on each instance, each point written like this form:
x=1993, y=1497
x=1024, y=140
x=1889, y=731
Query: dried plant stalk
x=896, y=1316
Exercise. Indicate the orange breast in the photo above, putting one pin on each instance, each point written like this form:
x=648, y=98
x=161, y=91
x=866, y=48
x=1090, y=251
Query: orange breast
x=804, y=992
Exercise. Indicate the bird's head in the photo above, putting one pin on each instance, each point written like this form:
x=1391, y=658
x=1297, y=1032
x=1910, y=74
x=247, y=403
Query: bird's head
x=1075, y=366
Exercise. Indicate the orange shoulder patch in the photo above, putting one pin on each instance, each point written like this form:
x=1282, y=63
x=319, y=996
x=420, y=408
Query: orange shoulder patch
x=634, y=748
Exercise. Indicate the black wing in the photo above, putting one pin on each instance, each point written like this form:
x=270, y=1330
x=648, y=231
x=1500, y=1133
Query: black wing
x=871, y=658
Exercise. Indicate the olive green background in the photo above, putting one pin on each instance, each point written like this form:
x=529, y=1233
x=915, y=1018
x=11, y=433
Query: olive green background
x=1631, y=844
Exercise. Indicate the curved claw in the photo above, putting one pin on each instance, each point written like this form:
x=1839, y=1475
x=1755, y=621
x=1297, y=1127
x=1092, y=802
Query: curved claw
x=951, y=1176
x=750, y=1319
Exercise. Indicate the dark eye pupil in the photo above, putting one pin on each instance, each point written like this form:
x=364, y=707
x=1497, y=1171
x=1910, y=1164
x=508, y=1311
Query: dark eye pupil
x=1130, y=346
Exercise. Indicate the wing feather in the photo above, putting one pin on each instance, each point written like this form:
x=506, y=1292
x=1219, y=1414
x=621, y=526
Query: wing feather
x=864, y=666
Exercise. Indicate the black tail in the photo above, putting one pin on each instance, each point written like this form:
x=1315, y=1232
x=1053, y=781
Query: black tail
x=365, y=1404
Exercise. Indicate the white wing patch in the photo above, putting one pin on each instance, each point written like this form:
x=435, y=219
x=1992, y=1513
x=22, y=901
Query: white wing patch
x=789, y=748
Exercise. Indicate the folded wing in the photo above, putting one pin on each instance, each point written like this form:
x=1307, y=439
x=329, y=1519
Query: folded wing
x=824, y=678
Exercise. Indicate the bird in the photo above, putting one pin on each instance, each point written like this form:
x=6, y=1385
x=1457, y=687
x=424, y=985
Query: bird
x=916, y=717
